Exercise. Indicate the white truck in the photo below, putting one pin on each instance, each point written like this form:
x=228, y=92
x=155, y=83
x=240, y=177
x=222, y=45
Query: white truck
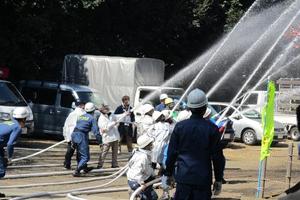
x=114, y=77
x=284, y=108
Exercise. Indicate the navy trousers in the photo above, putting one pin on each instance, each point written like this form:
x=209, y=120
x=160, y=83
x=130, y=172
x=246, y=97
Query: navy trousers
x=82, y=146
x=2, y=163
x=191, y=192
x=147, y=194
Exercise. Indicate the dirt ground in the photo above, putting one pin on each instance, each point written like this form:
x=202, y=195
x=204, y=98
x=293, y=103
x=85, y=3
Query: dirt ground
x=241, y=172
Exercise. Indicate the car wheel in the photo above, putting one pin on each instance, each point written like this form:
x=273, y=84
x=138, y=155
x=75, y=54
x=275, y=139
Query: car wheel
x=295, y=135
x=249, y=137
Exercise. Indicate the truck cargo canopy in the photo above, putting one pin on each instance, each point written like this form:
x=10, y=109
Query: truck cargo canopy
x=113, y=77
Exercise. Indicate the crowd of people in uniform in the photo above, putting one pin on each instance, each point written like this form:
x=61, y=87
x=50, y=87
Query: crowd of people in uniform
x=181, y=147
x=166, y=140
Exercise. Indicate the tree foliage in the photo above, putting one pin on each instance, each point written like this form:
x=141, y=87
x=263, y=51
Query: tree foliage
x=36, y=34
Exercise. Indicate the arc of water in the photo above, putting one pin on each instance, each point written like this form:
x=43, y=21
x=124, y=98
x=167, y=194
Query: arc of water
x=258, y=66
x=284, y=67
x=215, y=53
x=262, y=79
x=250, y=50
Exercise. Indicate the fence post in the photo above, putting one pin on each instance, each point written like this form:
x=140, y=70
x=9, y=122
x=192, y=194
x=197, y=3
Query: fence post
x=289, y=165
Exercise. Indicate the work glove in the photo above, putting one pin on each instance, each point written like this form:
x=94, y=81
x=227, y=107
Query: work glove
x=165, y=182
x=217, y=188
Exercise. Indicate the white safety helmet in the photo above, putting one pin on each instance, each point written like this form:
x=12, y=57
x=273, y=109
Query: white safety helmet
x=207, y=113
x=183, y=115
x=156, y=115
x=89, y=107
x=20, y=113
x=163, y=96
x=144, y=140
x=147, y=108
x=196, y=99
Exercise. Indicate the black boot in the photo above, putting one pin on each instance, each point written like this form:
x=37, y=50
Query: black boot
x=76, y=173
x=67, y=166
x=88, y=169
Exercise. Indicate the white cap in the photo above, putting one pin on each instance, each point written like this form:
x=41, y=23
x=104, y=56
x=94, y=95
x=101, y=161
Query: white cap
x=207, y=113
x=147, y=108
x=20, y=113
x=89, y=107
x=156, y=115
x=183, y=115
x=163, y=96
x=196, y=99
x=144, y=140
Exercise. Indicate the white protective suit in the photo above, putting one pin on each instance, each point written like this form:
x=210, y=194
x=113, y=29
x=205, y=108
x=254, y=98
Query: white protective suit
x=70, y=123
x=140, y=168
x=160, y=131
x=111, y=132
x=144, y=125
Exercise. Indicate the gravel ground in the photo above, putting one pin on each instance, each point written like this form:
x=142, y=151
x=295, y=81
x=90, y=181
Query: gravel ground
x=241, y=171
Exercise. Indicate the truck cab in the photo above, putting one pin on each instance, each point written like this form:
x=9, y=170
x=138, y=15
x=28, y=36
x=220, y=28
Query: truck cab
x=150, y=94
x=257, y=99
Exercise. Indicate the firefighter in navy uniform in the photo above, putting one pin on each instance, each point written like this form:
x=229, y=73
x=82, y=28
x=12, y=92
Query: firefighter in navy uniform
x=193, y=143
x=9, y=132
x=80, y=139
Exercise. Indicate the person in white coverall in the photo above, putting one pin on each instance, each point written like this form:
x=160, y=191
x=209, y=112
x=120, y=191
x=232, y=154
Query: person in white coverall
x=146, y=120
x=68, y=129
x=160, y=131
x=110, y=136
x=139, y=168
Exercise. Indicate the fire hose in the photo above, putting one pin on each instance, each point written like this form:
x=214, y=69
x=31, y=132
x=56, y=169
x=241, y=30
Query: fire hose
x=43, y=194
x=37, y=153
x=64, y=182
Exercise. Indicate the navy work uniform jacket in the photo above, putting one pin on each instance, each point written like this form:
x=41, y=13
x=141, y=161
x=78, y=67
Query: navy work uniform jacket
x=9, y=132
x=192, y=144
x=84, y=125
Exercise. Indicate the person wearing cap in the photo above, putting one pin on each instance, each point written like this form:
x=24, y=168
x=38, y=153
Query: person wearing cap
x=139, y=168
x=125, y=127
x=110, y=136
x=10, y=130
x=146, y=120
x=160, y=107
x=80, y=137
x=68, y=129
x=192, y=144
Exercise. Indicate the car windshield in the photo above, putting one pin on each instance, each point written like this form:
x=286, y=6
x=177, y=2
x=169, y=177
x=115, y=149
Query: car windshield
x=90, y=97
x=10, y=95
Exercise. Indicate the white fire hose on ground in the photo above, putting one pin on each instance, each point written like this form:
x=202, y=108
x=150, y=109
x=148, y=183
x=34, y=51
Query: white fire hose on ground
x=57, y=165
x=64, y=182
x=44, y=174
x=43, y=194
x=37, y=153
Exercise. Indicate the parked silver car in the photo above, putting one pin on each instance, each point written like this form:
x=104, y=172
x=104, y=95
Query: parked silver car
x=247, y=124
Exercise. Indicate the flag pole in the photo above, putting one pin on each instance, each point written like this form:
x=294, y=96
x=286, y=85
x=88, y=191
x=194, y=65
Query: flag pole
x=262, y=165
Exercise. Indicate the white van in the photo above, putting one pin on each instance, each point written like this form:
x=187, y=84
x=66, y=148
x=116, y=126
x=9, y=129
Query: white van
x=10, y=98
